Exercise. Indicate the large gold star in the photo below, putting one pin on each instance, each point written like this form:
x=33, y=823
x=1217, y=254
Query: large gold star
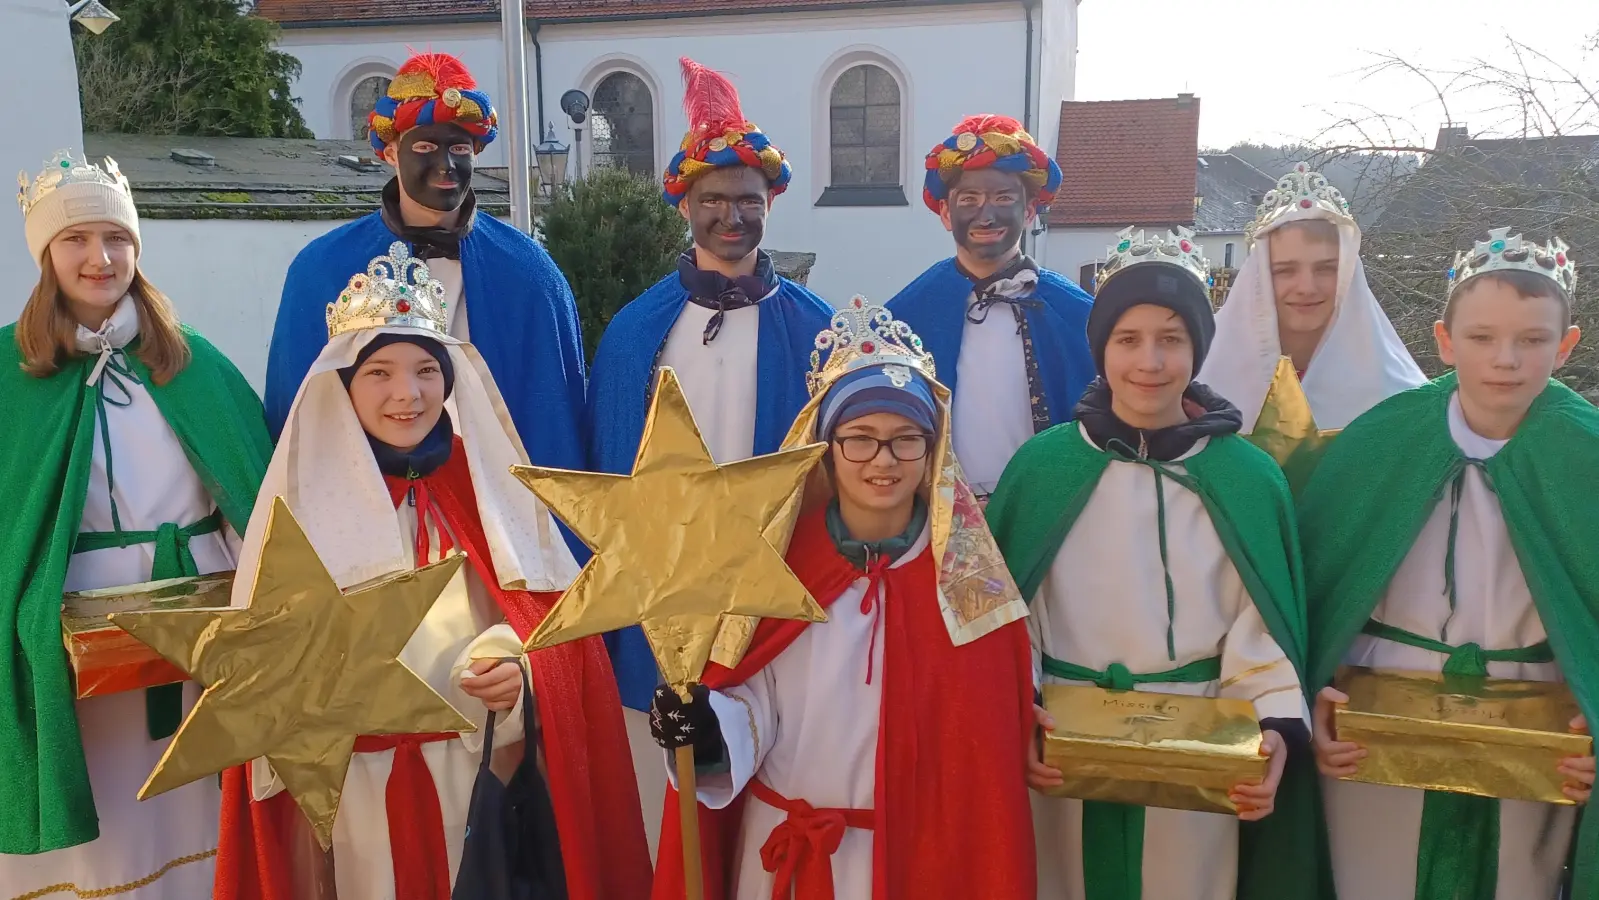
x=678, y=543
x=299, y=674
x=1286, y=429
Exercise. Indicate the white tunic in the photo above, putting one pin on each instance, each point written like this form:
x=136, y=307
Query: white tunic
x=162, y=847
x=1375, y=829
x=1104, y=602
x=718, y=378
x=806, y=726
x=992, y=412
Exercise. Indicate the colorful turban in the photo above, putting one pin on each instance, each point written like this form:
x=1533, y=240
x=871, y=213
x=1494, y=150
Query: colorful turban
x=987, y=141
x=432, y=89
x=719, y=136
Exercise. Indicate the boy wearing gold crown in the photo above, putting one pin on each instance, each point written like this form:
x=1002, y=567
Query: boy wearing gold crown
x=1008, y=335
x=503, y=291
x=1157, y=550
x=1451, y=528
x=134, y=453
x=1302, y=294
x=384, y=479
x=878, y=754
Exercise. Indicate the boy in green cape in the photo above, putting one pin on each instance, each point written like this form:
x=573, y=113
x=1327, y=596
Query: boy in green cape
x=1451, y=529
x=1183, y=579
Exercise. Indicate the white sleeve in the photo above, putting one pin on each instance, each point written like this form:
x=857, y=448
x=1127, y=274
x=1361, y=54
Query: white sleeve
x=1254, y=668
x=496, y=642
x=748, y=721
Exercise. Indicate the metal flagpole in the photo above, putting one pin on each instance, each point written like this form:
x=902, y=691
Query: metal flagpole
x=513, y=115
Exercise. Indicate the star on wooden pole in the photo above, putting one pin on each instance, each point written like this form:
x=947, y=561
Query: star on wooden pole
x=298, y=674
x=1286, y=429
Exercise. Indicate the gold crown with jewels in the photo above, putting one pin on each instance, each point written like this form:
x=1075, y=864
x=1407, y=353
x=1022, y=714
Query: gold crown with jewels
x=1301, y=193
x=1177, y=247
x=861, y=335
x=1504, y=251
x=395, y=291
x=68, y=168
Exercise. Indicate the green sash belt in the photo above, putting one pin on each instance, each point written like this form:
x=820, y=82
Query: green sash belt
x=1113, y=833
x=163, y=706
x=1459, y=852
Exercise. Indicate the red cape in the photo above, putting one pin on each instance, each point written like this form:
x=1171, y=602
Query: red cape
x=590, y=769
x=952, y=814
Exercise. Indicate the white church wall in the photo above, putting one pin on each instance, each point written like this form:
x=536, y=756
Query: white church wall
x=1056, y=22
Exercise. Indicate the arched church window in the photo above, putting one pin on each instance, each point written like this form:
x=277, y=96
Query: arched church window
x=624, y=124
x=362, y=99
x=864, y=131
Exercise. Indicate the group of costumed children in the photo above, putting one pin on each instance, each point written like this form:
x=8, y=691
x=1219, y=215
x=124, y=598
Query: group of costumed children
x=1109, y=522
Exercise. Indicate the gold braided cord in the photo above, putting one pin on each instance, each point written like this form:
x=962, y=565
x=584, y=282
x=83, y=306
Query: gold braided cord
x=68, y=887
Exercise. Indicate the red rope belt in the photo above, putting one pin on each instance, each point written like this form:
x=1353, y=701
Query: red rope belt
x=416, y=824
x=799, y=851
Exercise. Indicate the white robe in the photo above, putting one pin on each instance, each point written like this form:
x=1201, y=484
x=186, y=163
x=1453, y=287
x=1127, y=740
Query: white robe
x=1103, y=602
x=810, y=703
x=1375, y=829
x=163, y=847
x=992, y=413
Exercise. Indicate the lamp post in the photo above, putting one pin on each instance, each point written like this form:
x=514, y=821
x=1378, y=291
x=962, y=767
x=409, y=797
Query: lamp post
x=513, y=117
x=93, y=15
x=575, y=104
x=551, y=155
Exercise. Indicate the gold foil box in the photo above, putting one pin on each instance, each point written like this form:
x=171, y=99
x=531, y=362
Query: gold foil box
x=1491, y=737
x=107, y=660
x=1148, y=749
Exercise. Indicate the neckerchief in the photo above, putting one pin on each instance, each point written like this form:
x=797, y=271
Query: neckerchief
x=428, y=241
x=713, y=290
x=1016, y=286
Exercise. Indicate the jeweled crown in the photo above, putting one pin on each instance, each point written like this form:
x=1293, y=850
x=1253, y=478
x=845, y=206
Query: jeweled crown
x=1177, y=247
x=860, y=335
x=67, y=168
x=395, y=291
x=1504, y=251
x=1301, y=193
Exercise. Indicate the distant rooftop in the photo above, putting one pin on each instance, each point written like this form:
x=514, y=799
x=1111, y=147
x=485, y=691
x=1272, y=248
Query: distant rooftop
x=260, y=178
x=1127, y=162
x=1229, y=190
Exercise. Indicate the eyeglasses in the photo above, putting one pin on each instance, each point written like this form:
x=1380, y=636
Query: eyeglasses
x=860, y=448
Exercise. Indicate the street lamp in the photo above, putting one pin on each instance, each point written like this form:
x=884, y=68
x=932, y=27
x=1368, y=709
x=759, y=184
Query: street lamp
x=93, y=15
x=575, y=104
x=551, y=155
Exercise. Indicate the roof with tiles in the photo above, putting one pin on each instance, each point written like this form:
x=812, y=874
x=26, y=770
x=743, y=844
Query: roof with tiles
x=310, y=13
x=1127, y=162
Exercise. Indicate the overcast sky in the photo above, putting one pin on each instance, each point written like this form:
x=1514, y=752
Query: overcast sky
x=1275, y=71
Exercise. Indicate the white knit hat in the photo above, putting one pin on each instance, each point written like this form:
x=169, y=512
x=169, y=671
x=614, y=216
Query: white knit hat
x=72, y=191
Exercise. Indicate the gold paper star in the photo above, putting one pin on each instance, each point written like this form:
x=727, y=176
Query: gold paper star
x=299, y=674
x=1286, y=428
x=678, y=543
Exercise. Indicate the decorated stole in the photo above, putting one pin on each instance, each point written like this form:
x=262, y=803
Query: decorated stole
x=1046, y=487
x=1374, y=491
x=45, y=800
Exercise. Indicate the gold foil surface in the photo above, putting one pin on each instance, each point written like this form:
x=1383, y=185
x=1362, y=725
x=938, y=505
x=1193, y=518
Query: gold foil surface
x=677, y=544
x=1147, y=749
x=107, y=660
x=1491, y=737
x=1287, y=430
x=299, y=674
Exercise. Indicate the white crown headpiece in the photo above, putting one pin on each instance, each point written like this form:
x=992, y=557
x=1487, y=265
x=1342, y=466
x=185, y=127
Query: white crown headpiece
x=1297, y=194
x=395, y=291
x=1504, y=251
x=861, y=335
x=67, y=168
x=1177, y=248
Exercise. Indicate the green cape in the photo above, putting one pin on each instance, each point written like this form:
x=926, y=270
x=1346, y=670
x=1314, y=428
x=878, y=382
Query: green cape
x=45, y=798
x=1374, y=490
x=1044, y=489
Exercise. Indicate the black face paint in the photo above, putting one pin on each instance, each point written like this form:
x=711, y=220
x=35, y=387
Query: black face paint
x=993, y=204
x=727, y=211
x=434, y=170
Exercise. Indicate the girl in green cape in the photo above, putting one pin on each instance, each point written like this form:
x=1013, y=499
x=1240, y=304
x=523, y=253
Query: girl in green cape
x=133, y=454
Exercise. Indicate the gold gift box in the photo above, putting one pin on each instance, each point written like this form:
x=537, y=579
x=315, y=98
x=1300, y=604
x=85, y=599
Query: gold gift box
x=1147, y=749
x=107, y=660
x=1492, y=737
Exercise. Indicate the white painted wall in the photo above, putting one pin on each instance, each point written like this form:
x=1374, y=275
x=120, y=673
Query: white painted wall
x=1056, y=24
x=1067, y=250
x=36, y=51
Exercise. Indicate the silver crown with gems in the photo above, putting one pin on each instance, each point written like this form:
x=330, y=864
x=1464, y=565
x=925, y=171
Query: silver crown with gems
x=67, y=168
x=1504, y=251
x=864, y=334
x=1177, y=248
x=1301, y=194
x=395, y=291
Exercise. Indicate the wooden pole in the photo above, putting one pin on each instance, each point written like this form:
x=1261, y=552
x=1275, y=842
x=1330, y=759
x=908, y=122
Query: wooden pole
x=688, y=807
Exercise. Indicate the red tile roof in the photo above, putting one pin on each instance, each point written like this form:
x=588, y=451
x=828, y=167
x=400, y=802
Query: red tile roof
x=306, y=13
x=1127, y=162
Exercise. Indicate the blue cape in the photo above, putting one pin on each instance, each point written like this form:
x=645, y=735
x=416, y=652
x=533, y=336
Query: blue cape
x=519, y=310
x=934, y=306
x=619, y=395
